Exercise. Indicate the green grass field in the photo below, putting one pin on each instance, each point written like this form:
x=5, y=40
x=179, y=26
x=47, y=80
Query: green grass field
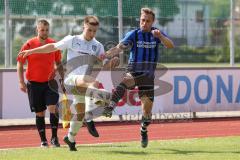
x=222, y=148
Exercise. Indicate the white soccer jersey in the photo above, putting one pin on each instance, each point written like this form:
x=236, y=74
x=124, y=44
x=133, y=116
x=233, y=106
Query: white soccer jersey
x=81, y=53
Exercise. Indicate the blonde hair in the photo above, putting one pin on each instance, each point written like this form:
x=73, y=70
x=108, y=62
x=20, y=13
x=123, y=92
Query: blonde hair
x=43, y=21
x=92, y=20
x=148, y=11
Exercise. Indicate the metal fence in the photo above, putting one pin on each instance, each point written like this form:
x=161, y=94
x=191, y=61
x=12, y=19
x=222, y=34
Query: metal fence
x=204, y=31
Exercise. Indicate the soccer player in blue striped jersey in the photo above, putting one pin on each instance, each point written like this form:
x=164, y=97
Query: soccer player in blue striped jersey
x=143, y=44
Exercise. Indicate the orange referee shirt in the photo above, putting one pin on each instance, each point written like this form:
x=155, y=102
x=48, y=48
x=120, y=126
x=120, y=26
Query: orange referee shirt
x=40, y=67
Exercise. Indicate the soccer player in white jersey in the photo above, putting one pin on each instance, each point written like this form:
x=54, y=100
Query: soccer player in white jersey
x=79, y=48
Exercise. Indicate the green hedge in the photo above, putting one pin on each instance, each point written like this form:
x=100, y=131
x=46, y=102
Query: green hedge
x=184, y=54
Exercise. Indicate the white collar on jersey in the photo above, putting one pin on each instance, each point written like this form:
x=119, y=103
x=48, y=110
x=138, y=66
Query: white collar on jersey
x=82, y=37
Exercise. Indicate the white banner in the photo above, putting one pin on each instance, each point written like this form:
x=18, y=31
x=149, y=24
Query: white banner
x=180, y=90
x=190, y=90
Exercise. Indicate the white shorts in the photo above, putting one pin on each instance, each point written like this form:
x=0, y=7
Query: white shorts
x=94, y=110
x=70, y=82
x=90, y=97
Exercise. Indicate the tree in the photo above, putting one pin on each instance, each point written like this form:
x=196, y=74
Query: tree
x=166, y=9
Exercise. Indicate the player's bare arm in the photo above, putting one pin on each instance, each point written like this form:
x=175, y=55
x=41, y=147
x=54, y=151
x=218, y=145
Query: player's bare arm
x=20, y=71
x=165, y=41
x=115, y=51
x=60, y=69
x=111, y=63
x=39, y=50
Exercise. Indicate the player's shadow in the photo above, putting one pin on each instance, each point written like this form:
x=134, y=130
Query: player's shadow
x=130, y=152
x=191, y=152
x=126, y=152
x=167, y=151
x=103, y=146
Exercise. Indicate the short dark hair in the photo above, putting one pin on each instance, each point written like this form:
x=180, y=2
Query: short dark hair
x=43, y=21
x=148, y=11
x=92, y=20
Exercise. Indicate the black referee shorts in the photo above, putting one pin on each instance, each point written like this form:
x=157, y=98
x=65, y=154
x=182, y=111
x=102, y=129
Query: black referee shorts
x=40, y=95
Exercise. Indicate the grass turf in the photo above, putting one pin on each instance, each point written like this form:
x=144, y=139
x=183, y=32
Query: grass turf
x=221, y=148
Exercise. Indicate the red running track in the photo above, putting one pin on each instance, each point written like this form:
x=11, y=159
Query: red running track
x=27, y=136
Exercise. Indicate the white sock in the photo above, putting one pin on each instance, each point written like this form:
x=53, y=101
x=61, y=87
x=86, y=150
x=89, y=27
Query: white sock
x=88, y=117
x=98, y=94
x=73, y=130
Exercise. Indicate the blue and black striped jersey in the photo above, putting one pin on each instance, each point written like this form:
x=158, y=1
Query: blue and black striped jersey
x=144, y=50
